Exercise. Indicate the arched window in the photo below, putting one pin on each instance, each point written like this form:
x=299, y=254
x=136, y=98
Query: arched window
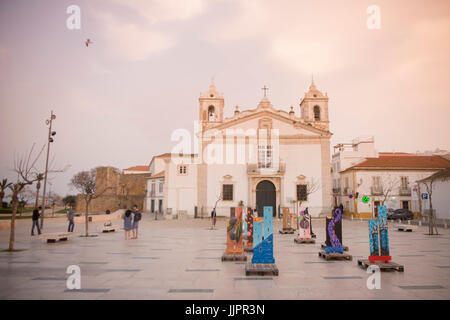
x=211, y=113
x=316, y=113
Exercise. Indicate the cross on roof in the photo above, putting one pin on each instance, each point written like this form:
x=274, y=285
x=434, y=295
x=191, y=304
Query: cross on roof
x=265, y=90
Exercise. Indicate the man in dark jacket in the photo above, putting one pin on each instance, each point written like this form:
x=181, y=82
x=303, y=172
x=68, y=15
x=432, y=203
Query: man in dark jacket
x=70, y=217
x=35, y=218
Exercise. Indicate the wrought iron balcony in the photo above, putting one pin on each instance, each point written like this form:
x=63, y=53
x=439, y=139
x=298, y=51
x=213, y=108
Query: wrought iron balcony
x=254, y=168
x=404, y=191
x=377, y=190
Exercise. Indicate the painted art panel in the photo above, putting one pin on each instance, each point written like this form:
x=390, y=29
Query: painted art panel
x=257, y=237
x=235, y=232
x=304, y=225
x=384, y=235
x=373, y=238
x=333, y=230
x=245, y=223
x=263, y=252
x=268, y=222
x=249, y=222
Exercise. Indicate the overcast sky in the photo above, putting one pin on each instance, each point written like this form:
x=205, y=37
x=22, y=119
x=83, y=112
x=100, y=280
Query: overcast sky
x=118, y=101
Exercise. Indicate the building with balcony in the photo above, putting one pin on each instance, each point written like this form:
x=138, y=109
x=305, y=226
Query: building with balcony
x=390, y=179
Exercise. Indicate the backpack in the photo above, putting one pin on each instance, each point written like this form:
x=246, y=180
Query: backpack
x=137, y=216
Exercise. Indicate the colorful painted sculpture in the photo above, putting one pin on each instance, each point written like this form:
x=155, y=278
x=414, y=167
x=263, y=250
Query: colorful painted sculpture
x=288, y=219
x=333, y=229
x=373, y=238
x=249, y=222
x=234, y=232
x=263, y=247
x=383, y=226
x=245, y=224
x=304, y=224
x=378, y=232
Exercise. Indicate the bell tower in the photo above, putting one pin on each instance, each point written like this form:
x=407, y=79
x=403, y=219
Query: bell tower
x=314, y=108
x=211, y=106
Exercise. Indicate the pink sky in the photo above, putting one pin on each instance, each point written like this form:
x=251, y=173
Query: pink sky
x=118, y=101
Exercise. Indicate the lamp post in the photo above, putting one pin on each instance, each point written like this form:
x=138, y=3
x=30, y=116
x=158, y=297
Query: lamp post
x=50, y=140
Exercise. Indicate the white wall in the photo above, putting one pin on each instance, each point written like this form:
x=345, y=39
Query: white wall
x=215, y=177
x=182, y=189
x=440, y=198
x=302, y=159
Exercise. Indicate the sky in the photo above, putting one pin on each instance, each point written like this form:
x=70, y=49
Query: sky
x=118, y=100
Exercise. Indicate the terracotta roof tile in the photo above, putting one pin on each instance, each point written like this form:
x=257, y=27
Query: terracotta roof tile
x=138, y=168
x=403, y=161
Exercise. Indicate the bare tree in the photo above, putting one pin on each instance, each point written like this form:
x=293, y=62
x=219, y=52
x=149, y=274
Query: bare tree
x=3, y=186
x=26, y=175
x=428, y=183
x=24, y=197
x=310, y=188
x=84, y=182
x=388, y=185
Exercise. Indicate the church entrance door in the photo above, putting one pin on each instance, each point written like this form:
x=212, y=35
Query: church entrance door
x=265, y=196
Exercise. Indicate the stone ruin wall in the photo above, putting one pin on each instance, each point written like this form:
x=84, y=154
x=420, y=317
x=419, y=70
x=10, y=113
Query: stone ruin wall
x=123, y=191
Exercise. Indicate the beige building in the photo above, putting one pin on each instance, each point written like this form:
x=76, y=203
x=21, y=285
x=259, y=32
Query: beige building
x=117, y=190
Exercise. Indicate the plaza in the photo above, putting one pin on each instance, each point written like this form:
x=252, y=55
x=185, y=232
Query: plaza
x=181, y=259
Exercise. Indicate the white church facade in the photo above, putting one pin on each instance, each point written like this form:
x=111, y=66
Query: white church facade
x=257, y=157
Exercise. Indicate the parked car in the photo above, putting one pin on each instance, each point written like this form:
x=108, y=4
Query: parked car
x=402, y=214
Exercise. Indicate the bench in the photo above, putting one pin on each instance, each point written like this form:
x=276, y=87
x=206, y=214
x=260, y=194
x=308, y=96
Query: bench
x=53, y=237
x=406, y=227
x=110, y=228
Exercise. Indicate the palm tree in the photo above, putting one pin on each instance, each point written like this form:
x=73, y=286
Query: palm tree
x=39, y=178
x=3, y=186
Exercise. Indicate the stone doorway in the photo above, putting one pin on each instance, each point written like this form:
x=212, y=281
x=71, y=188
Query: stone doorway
x=265, y=196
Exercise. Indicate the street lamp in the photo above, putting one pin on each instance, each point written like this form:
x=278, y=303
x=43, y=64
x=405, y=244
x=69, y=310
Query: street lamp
x=51, y=133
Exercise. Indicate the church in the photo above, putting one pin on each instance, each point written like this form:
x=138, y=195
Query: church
x=256, y=157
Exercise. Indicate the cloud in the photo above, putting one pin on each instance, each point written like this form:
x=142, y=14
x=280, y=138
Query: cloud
x=165, y=10
x=290, y=35
x=308, y=57
x=130, y=41
x=137, y=40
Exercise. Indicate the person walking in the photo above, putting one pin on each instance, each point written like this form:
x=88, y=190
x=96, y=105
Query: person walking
x=214, y=218
x=137, y=216
x=70, y=216
x=35, y=219
x=127, y=223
